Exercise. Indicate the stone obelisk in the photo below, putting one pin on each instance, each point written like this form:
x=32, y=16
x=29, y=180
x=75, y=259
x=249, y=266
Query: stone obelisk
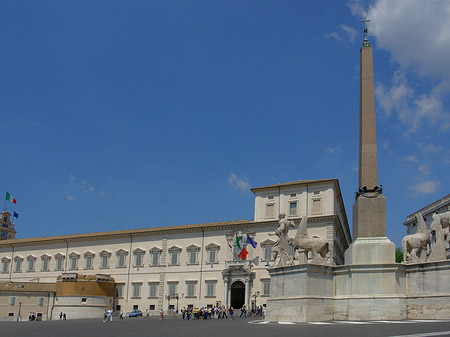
x=369, y=211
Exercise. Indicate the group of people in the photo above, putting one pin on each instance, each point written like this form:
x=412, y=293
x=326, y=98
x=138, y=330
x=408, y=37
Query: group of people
x=108, y=316
x=32, y=316
x=218, y=312
x=62, y=315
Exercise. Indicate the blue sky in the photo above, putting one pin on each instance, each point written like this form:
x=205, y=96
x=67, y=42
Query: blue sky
x=133, y=114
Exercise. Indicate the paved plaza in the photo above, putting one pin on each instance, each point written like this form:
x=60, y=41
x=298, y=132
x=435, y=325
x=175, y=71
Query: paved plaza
x=140, y=327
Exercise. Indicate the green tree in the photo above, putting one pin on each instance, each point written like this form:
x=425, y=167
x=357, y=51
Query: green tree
x=399, y=255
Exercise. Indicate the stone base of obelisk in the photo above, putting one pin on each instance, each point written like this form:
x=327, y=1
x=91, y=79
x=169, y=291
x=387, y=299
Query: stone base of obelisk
x=377, y=250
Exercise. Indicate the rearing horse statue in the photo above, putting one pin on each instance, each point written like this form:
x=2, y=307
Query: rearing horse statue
x=414, y=245
x=317, y=245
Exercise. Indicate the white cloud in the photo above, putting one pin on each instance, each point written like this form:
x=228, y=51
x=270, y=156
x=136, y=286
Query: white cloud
x=385, y=145
x=357, y=8
x=415, y=32
x=413, y=111
x=424, y=187
x=334, y=150
x=411, y=158
x=84, y=186
x=344, y=33
x=70, y=197
x=429, y=148
x=424, y=169
x=72, y=178
x=239, y=184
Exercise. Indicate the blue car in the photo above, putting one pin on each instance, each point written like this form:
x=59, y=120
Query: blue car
x=135, y=313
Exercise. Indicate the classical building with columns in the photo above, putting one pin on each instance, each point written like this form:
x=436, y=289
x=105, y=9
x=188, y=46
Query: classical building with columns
x=182, y=265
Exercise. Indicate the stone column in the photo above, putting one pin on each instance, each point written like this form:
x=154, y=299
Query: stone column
x=247, y=292
x=225, y=295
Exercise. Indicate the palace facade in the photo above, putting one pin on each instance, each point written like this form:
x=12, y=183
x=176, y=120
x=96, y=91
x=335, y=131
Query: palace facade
x=177, y=266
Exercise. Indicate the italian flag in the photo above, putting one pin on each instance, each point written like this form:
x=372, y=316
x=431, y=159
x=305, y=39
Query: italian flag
x=242, y=251
x=10, y=198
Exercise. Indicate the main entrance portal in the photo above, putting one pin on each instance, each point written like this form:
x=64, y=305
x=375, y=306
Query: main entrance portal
x=237, y=294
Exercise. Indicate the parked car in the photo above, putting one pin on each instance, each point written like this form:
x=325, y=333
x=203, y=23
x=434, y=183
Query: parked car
x=135, y=313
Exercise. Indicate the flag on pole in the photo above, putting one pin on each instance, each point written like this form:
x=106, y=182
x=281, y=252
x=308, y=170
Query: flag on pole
x=9, y=197
x=251, y=241
x=16, y=215
x=242, y=251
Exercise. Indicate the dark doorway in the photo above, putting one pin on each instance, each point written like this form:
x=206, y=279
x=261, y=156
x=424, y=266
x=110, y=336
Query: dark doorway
x=237, y=294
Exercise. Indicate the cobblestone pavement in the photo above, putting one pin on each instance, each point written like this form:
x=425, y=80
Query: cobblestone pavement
x=141, y=327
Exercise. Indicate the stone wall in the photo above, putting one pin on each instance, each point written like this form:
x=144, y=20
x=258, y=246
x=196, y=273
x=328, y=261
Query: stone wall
x=360, y=292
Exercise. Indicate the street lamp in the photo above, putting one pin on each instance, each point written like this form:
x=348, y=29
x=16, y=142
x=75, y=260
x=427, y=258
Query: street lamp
x=176, y=297
x=255, y=296
x=20, y=306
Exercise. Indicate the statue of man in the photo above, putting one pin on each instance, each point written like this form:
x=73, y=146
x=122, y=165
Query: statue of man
x=281, y=247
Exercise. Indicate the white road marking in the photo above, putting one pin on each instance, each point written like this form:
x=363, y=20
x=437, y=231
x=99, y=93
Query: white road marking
x=320, y=323
x=286, y=323
x=353, y=322
x=426, y=334
x=395, y=322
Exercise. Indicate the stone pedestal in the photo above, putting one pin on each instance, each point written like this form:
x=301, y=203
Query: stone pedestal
x=377, y=250
x=369, y=217
x=301, y=293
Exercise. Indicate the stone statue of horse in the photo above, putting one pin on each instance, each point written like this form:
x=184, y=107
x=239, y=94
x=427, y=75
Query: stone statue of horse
x=415, y=245
x=440, y=227
x=317, y=245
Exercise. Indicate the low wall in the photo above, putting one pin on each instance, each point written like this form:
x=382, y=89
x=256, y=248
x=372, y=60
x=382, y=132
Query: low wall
x=360, y=292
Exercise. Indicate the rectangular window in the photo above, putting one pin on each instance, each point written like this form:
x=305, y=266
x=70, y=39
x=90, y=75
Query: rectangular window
x=59, y=264
x=172, y=289
x=191, y=289
x=293, y=208
x=153, y=289
x=174, y=258
x=317, y=206
x=192, y=257
x=5, y=266
x=152, y=307
x=155, y=259
x=121, y=262
x=137, y=290
x=84, y=300
x=138, y=260
x=105, y=261
x=270, y=211
x=40, y=301
x=18, y=267
x=266, y=287
x=267, y=253
x=73, y=263
x=88, y=262
x=45, y=265
x=12, y=300
x=30, y=265
x=210, y=289
x=119, y=290
x=212, y=256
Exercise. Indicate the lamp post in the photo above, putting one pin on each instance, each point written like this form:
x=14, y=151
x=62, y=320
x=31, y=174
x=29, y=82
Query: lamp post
x=176, y=297
x=255, y=296
x=168, y=304
x=18, y=316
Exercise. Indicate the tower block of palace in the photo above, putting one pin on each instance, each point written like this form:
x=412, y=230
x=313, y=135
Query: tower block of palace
x=369, y=211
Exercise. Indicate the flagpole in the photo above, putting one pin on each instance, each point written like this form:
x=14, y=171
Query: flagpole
x=4, y=205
